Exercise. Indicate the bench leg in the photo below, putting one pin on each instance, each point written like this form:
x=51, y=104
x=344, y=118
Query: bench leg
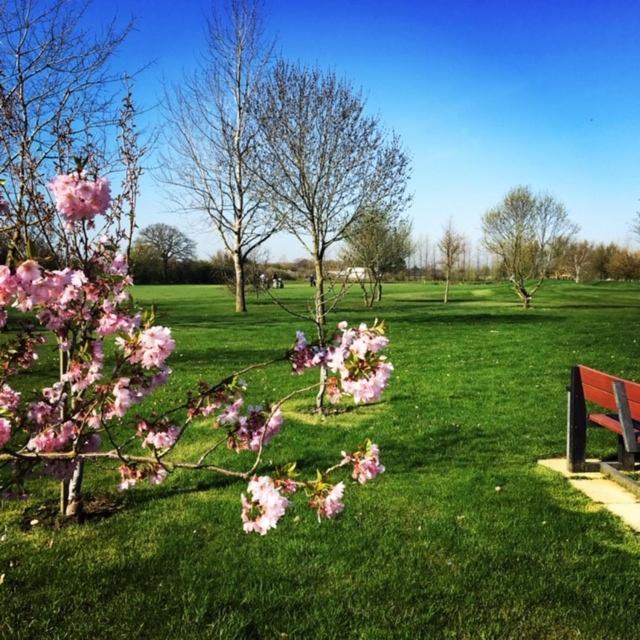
x=627, y=460
x=576, y=425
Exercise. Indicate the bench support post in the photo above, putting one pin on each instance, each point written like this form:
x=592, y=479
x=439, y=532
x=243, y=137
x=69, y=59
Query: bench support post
x=627, y=442
x=576, y=424
x=626, y=459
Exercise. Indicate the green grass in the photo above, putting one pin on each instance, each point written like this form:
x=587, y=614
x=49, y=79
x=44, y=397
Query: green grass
x=430, y=550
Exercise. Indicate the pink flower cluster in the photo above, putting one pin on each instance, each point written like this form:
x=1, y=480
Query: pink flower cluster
x=5, y=431
x=362, y=371
x=78, y=198
x=328, y=501
x=53, y=439
x=303, y=355
x=150, y=348
x=366, y=462
x=250, y=431
x=130, y=475
x=9, y=399
x=264, y=507
x=162, y=439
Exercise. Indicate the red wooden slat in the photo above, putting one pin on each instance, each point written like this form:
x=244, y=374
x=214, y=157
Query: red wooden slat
x=603, y=381
x=609, y=423
x=605, y=421
x=598, y=396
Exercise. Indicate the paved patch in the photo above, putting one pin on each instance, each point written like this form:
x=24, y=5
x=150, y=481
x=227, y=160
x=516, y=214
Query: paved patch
x=600, y=489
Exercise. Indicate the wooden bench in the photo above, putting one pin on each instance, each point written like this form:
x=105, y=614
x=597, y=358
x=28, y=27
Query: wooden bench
x=618, y=396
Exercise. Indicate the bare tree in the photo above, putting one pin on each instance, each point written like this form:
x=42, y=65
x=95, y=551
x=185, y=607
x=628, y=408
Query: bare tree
x=578, y=258
x=451, y=246
x=168, y=243
x=521, y=231
x=379, y=241
x=323, y=163
x=212, y=136
x=635, y=228
x=56, y=102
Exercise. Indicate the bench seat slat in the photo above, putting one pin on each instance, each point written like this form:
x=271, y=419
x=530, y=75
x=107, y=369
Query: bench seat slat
x=611, y=423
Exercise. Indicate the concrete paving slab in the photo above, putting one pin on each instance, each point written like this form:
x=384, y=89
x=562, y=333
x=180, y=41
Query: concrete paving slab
x=630, y=513
x=601, y=490
x=559, y=465
x=604, y=491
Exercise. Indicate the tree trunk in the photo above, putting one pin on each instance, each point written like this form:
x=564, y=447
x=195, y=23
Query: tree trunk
x=446, y=289
x=74, y=496
x=241, y=302
x=321, y=319
x=523, y=294
x=165, y=271
x=379, y=291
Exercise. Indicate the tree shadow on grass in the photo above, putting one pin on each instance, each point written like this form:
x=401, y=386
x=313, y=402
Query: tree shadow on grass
x=485, y=318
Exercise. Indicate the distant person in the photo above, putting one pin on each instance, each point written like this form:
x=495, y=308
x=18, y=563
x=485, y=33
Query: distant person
x=274, y=281
x=312, y=280
x=280, y=283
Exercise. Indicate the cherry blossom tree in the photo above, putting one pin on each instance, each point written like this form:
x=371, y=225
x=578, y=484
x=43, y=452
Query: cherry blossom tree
x=85, y=414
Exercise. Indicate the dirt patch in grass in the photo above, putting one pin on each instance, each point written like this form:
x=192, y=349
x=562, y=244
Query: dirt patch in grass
x=48, y=516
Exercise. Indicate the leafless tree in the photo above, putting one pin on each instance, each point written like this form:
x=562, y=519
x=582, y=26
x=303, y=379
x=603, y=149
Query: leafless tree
x=323, y=162
x=379, y=241
x=56, y=101
x=635, y=228
x=212, y=136
x=451, y=247
x=521, y=231
x=168, y=243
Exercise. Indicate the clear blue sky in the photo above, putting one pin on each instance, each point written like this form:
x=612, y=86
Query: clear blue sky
x=485, y=95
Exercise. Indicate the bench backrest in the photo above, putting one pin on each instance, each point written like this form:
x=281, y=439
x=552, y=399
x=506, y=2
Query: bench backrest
x=598, y=388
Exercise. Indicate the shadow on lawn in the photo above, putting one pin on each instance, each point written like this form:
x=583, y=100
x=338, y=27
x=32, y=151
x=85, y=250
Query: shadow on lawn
x=523, y=318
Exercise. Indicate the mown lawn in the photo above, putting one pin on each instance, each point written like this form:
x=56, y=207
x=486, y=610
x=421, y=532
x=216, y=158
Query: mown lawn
x=430, y=550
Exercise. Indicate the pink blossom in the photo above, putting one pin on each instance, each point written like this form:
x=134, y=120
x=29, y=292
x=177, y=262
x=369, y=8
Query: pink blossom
x=8, y=286
x=231, y=413
x=162, y=439
x=53, y=439
x=265, y=433
x=264, y=507
x=9, y=399
x=366, y=464
x=78, y=198
x=5, y=431
x=125, y=397
x=129, y=476
x=27, y=272
x=41, y=412
x=157, y=474
x=329, y=505
x=153, y=347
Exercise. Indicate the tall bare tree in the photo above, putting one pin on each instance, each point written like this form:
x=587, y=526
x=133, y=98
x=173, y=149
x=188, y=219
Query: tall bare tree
x=168, y=243
x=324, y=162
x=379, y=241
x=522, y=231
x=212, y=136
x=636, y=225
x=451, y=246
x=56, y=101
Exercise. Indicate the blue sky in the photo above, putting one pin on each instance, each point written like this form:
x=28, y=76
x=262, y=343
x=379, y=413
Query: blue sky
x=485, y=95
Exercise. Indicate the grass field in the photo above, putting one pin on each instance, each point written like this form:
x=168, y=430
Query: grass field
x=430, y=550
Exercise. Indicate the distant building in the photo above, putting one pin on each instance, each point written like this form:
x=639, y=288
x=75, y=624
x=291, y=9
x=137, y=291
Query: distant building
x=352, y=274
